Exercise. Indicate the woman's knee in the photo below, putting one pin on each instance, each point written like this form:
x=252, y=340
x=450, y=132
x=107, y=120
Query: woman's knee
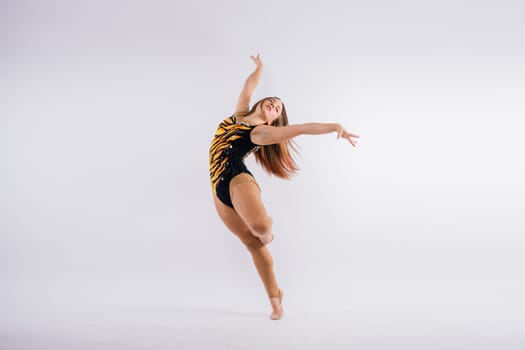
x=262, y=227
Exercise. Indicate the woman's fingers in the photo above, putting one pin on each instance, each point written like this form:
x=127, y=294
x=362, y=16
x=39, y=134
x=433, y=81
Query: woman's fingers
x=349, y=137
x=256, y=59
x=347, y=134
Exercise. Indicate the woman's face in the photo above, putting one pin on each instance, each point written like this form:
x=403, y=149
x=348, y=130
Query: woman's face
x=272, y=109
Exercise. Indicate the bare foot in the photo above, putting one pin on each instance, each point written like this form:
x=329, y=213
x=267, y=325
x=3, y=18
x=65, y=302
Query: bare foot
x=266, y=239
x=277, y=306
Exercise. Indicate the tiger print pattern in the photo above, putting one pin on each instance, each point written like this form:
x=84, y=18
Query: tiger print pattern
x=230, y=145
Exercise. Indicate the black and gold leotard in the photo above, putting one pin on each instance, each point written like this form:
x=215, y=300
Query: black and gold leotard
x=230, y=145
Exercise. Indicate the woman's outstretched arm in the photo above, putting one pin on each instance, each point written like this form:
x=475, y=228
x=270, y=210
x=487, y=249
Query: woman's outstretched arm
x=268, y=135
x=243, y=104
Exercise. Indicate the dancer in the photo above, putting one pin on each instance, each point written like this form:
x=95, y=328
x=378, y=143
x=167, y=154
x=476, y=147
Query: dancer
x=264, y=131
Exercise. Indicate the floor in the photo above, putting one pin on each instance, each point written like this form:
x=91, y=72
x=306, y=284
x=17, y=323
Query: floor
x=228, y=327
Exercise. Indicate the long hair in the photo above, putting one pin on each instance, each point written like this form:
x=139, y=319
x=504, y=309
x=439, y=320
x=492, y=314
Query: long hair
x=276, y=159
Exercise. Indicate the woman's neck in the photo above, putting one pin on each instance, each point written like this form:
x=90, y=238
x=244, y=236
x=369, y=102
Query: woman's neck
x=255, y=118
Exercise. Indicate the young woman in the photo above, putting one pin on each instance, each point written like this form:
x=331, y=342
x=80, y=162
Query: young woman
x=264, y=131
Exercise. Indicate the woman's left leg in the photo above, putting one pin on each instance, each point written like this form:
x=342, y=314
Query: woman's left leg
x=261, y=256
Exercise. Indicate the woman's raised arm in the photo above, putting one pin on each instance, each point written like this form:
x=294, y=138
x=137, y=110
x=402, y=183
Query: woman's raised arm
x=243, y=104
x=269, y=135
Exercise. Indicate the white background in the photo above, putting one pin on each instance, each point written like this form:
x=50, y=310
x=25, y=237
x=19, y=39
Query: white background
x=108, y=233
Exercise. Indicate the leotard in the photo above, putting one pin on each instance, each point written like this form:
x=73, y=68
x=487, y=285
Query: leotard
x=229, y=147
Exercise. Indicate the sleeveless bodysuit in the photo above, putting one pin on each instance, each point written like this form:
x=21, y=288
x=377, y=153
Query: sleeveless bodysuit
x=230, y=145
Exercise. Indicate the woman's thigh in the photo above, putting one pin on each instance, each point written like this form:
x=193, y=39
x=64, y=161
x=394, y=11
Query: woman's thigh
x=236, y=224
x=245, y=195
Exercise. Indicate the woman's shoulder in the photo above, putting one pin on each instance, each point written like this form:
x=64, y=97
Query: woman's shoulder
x=238, y=120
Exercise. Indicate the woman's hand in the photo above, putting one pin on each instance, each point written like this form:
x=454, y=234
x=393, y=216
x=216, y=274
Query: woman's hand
x=257, y=60
x=341, y=132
